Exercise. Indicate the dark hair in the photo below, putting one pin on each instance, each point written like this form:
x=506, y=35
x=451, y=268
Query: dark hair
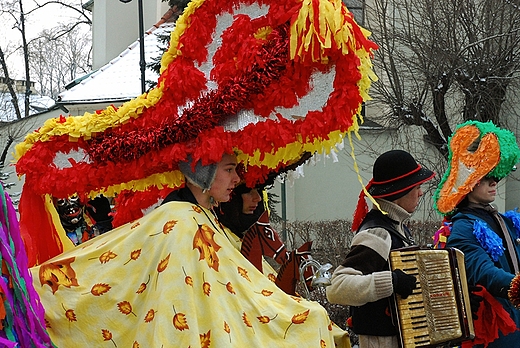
x=230, y=213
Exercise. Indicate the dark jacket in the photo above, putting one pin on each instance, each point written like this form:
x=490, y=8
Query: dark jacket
x=364, y=281
x=364, y=317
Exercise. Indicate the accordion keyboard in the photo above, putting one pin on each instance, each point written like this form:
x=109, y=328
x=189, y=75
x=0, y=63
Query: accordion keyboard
x=430, y=315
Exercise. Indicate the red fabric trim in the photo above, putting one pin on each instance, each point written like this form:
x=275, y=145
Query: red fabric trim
x=404, y=189
x=399, y=177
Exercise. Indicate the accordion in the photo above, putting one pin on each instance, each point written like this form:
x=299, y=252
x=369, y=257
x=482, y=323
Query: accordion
x=438, y=312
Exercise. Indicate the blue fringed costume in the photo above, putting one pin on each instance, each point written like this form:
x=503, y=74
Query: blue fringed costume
x=488, y=263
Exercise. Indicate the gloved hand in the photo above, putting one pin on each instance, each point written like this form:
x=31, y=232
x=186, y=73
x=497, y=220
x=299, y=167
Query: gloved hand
x=99, y=208
x=474, y=299
x=403, y=283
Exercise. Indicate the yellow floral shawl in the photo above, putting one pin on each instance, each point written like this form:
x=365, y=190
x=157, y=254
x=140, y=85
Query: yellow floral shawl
x=173, y=278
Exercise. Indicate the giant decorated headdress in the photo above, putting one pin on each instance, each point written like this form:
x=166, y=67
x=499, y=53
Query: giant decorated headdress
x=267, y=79
x=476, y=150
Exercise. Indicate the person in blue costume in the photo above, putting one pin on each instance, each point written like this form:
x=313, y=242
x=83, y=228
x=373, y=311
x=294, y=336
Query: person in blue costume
x=480, y=155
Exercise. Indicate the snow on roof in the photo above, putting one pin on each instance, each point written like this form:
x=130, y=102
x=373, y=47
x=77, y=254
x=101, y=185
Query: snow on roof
x=119, y=79
x=37, y=103
x=41, y=102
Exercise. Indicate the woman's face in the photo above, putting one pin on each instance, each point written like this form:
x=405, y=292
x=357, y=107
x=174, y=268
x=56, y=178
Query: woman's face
x=226, y=179
x=484, y=192
x=250, y=201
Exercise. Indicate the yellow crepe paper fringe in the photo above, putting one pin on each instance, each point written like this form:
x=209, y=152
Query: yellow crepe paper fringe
x=356, y=169
x=306, y=34
x=367, y=74
x=171, y=179
x=90, y=123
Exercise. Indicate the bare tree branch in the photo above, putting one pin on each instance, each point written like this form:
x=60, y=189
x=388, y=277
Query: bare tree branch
x=9, y=83
x=68, y=30
x=26, y=61
x=86, y=18
x=442, y=62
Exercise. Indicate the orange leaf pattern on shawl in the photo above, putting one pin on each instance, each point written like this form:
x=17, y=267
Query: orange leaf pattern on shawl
x=203, y=241
x=100, y=289
x=149, y=316
x=205, y=340
x=58, y=273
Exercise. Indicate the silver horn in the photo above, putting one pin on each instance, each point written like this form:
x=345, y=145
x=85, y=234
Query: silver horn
x=320, y=278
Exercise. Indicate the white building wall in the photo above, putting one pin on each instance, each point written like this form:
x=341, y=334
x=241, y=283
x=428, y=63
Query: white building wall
x=115, y=25
x=330, y=191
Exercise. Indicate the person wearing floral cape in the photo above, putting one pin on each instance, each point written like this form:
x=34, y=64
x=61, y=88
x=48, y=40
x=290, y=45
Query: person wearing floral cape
x=175, y=278
x=480, y=155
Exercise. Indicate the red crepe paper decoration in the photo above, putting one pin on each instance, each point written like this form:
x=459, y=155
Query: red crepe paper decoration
x=206, y=113
x=361, y=211
x=130, y=205
x=261, y=64
x=492, y=318
x=156, y=137
x=45, y=243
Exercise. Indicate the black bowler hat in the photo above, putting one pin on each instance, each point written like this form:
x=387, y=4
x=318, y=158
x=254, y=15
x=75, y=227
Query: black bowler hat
x=395, y=173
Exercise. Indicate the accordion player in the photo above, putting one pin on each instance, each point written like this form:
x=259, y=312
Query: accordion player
x=438, y=312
